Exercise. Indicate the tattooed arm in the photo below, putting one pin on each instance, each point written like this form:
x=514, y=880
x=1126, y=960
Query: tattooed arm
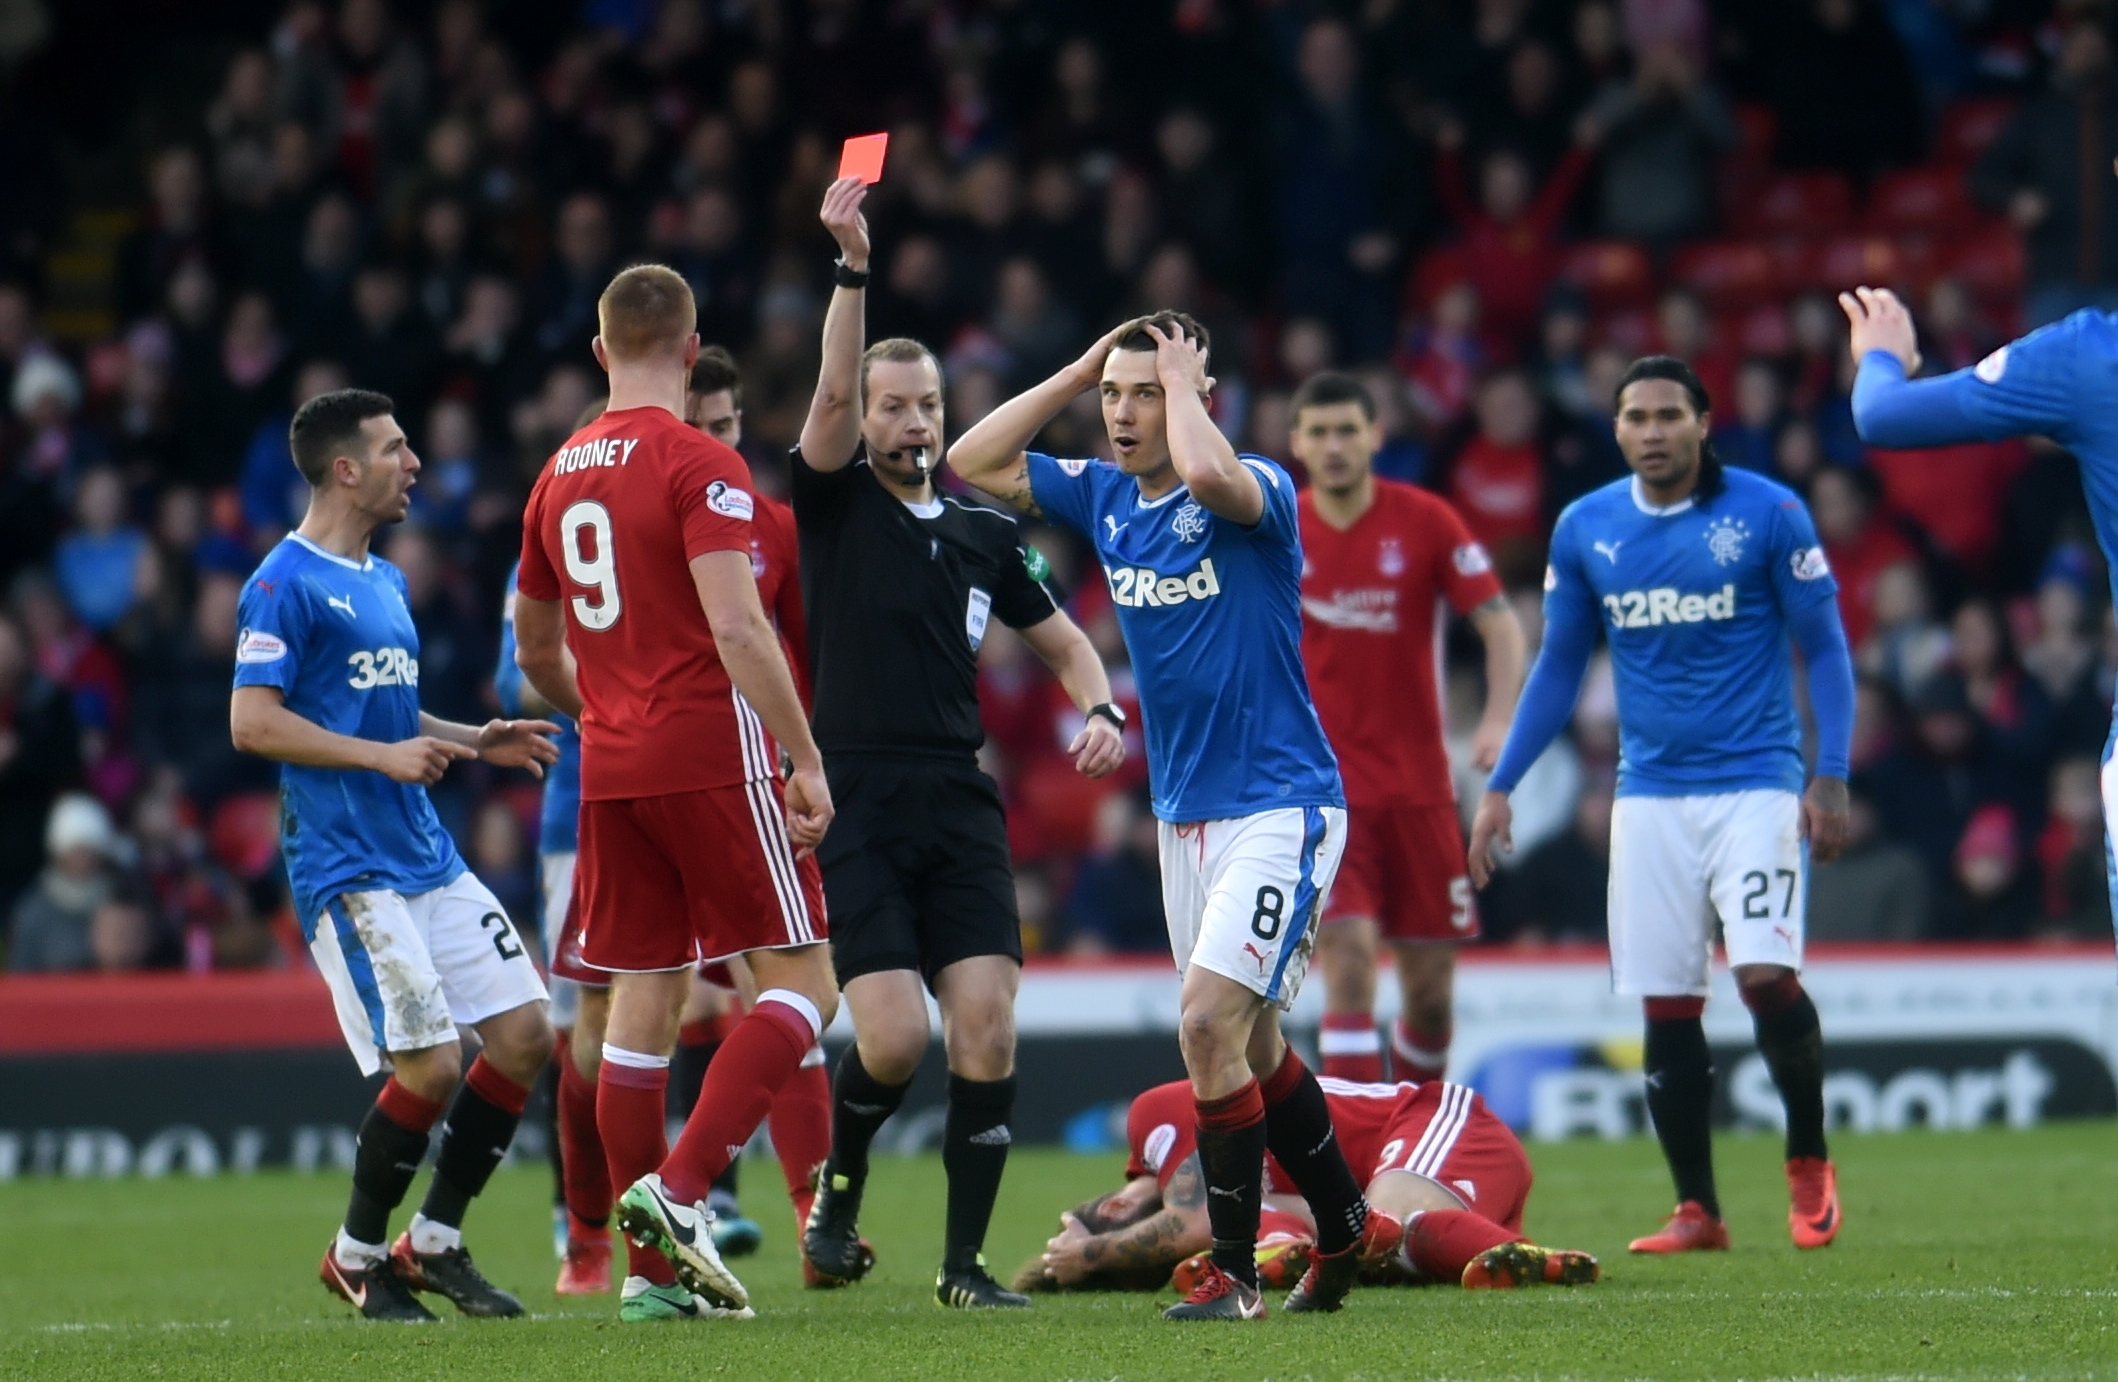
x=1141, y=1255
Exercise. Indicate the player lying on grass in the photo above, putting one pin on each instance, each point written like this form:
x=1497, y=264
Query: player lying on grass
x=413, y=947
x=1448, y=1186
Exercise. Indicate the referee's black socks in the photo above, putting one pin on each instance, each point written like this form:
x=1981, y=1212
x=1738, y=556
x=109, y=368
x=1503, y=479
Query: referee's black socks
x=974, y=1153
x=1298, y=1132
x=1792, y=1042
x=1680, y=1092
x=860, y=1104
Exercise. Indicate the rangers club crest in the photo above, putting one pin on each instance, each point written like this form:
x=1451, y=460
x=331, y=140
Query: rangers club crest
x=1391, y=559
x=1189, y=521
x=1725, y=538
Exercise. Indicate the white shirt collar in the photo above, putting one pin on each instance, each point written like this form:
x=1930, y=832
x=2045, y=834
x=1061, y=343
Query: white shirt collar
x=1656, y=510
x=349, y=564
x=930, y=509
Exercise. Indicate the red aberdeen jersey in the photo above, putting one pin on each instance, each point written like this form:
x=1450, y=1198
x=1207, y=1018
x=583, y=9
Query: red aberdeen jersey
x=610, y=531
x=1162, y=1129
x=776, y=561
x=1371, y=637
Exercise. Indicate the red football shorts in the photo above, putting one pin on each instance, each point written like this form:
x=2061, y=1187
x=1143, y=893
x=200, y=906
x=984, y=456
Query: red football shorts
x=1404, y=866
x=1446, y=1133
x=566, y=955
x=691, y=878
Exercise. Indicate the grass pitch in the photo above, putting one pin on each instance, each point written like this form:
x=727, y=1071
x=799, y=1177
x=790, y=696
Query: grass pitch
x=1990, y=1254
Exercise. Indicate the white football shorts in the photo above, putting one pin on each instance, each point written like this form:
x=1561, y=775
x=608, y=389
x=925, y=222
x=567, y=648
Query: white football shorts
x=1678, y=863
x=1242, y=896
x=556, y=872
x=406, y=972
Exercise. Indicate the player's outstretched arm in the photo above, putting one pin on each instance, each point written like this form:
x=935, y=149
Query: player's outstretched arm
x=2026, y=388
x=1204, y=459
x=540, y=651
x=504, y=743
x=750, y=650
x=831, y=434
x=1507, y=654
x=260, y=723
x=1099, y=749
x=992, y=455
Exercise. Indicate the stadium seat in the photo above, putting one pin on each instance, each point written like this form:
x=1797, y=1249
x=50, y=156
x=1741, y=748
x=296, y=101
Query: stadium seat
x=1729, y=274
x=1612, y=273
x=1877, y=260
x=1921, y=201
x=1798, y=204
x=1989, y=263
x=1968, y=127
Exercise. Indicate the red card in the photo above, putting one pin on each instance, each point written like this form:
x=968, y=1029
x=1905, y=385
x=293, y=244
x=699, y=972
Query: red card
x=863, y=156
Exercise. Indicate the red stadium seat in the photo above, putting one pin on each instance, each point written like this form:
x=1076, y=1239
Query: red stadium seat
x=1968, y=127
x=1989, y=264
x=1874, y=260
x=1612, y=273
x=1921, y=201
x=244, y=833
x=1799, y=204
x=1730, y=274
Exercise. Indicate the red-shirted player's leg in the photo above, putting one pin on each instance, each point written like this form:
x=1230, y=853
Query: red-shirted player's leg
x=587, y=1170
x=632, y=1090
x=801, y=1129
x=1349, y=1044
x=757, y=1060
x=1419, y=1040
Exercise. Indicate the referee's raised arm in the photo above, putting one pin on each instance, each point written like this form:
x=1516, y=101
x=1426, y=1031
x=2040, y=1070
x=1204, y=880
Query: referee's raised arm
x=831, y=433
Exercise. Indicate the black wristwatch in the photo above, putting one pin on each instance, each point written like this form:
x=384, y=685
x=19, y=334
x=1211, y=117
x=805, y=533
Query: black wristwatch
x=1110, y=712
x=846, y=276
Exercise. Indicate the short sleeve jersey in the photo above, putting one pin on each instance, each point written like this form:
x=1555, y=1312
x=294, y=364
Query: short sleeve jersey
x=336, y=638
x=612, y=526
x=1372, y=597
x=1211, y=610
x=1366, y=1117
x=1162, y=1130
x=775, y=559
x=898, y=601
x=559, y=824
x=1695, y=601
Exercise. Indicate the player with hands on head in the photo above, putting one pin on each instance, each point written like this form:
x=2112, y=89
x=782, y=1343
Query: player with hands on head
x=1202, y=549
x=637, y=613
x=411, y=944
x=1381, y=562
x=1699, y=578
x=901, y=582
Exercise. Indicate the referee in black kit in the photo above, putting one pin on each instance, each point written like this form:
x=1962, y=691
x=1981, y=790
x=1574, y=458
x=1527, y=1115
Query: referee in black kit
x=900, y=583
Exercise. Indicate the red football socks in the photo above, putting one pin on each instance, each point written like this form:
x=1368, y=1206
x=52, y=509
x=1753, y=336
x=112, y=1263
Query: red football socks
x=630, y=1102
x=582, y=1164
x=1419, y=1056
x=1351, y=1047
x=759, y=1059
x=801, y=1128
x=1440, y=1243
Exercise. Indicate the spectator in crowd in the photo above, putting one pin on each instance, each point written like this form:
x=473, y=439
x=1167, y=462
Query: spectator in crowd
x=2048, y=172
x=1927, y=789
x=1556, y=895
x=1115, y=905
x=102, y=565
x=1993, y=897
x=1661, y=135
x=1509, y=232
x=40, y=754
x=1497, y=480
x=49, y=930
x=2077, y=893
x=1876, y=890
x=1859, y=543
x=1748, y=425
x=2061, y=657
x=1843, y=94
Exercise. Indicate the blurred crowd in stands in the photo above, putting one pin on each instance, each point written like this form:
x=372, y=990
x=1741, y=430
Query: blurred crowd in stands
x=1485, y=207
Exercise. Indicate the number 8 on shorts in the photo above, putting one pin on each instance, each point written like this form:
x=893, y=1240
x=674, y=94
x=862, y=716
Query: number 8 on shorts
x=1679, y=863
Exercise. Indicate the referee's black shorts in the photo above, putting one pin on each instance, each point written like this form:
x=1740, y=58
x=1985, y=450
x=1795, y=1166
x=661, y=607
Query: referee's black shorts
x=916, y=870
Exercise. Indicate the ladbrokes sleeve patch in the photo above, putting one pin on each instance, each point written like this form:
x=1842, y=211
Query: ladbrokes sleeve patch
x=255, y=645
x=724, y=498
